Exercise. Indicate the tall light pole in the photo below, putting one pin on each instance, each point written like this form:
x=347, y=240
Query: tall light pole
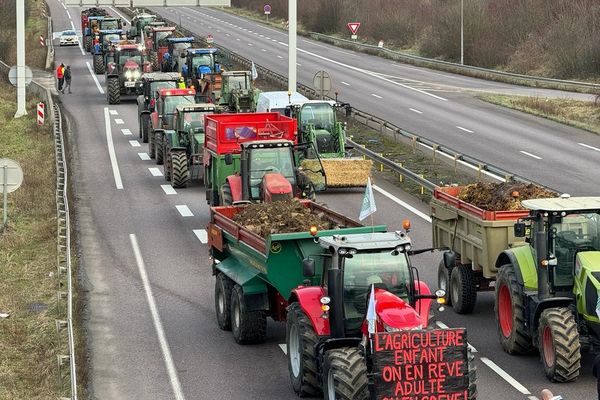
x=292, y=30
x=20, y=59
x=462, y=32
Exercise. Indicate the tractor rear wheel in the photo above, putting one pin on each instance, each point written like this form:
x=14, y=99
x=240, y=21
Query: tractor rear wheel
x=179, y=167
x=345, y=375
x=444, y=280
x=302, y=358
x=144, y=127
x=154, y=61
x=226, y=196
x=151, y=145
x=113, y=90
x=98, y=62
x=559, y=345
x=247, y=326
x=223, y=287
x=463, y=289
x=158, y=146
x=87, y=43
x=510, y=312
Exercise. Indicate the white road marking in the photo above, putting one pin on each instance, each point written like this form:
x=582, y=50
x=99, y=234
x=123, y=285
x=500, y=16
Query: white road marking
x=376, y=95
x=298, y=64
x=530, y=155
x=113, y=112
x=346, y=83
x=279, y=57
x=202, y=235
x=268, y=38
x=402, y=203
x=283, y=348
x=184, y=210
x=238, y=39
x=263, y=50
x=79, y=43
x=417, y=111
x=588, y=146
x=134, y=143
x=512, y=381
x=168, y=189
x=261, y=36
x=227, y=34
x=119, y=121
x=94, y=77
x=126, y=132
x=144, y=156
x=250, y=44
x=283, y=44
x=68, y=14
x=464, y=129
x=72, y=25
x=64, y=6
x=154, y=171
x=162, y=339
x=120, y=15
x=111, y=151
x=442, y=325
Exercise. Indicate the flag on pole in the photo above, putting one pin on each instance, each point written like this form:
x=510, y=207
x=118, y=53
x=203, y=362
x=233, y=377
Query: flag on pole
x=371, y=315
x=368, y=204
x=254, y=72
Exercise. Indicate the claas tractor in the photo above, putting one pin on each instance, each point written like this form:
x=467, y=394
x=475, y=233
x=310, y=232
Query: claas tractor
x=162, y=118
x=138, y=22
x=156, y=43
x=147, y=89
x=184, y=145
x=318, y=124
x=547, y=290
x=102, y=45
x=125, y=65
x=89, y=19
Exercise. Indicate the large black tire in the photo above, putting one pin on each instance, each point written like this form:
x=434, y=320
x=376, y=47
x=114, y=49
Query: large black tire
x=87, y=43
x=180, y=170
x=167, y=158
x=463, y=289
x=154, y=61
x=98, y=62
x=223, y=288
x=510, y=313
x=345, y=375
x=144, y=127
x=158, y=146
x=113, y=90
x=247, y=326
x=444, y=281
x=226, y=196
x=559, y=345
x=151, y=143
x=302, y=359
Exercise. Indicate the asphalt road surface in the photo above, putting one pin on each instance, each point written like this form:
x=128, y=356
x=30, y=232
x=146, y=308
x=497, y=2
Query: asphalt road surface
x=146, y=276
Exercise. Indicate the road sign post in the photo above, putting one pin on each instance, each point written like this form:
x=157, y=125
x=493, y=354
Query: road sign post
x=267, y=10
x=353, y=26
x=210, y=39
x=11, y=176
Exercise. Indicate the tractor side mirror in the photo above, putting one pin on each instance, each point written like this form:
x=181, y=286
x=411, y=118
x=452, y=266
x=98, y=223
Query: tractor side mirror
x=228, y=159
x=449, y=259
x=288, y=112
x=348, y=111
x=308, y=268
x=519, y=229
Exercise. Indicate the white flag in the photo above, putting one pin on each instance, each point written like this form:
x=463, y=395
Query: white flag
x=368, y=205
x=371, y=315
x=254, y=72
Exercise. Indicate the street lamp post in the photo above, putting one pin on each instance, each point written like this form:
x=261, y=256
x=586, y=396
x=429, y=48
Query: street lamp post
x=292, y=28
x=462, y=32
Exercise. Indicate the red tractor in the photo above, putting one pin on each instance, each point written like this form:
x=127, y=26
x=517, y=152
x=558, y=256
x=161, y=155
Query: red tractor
x=157, y=44
x=125, y=63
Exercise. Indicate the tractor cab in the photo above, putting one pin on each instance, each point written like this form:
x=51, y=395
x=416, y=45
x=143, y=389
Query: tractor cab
x=157, y=44
x=105, y=39
x=89, y=24
x=110, y=23
x=237, y=91
x=199, y=62
x=176, y=47
x=138, y=23
x=150, y=84
x=128, y=59
x=167, y=101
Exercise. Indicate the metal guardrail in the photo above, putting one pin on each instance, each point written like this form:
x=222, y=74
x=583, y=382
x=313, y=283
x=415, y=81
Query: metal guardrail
x=528, y=80
x=49, y=44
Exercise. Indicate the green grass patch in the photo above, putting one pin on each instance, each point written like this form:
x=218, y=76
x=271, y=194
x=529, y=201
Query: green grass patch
x=577, y=113
x=28, y=339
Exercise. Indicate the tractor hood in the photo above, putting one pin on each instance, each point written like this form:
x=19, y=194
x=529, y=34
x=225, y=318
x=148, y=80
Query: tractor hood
x=395, y=313
x=276, y=187
x=130, y=65
x=587, y=286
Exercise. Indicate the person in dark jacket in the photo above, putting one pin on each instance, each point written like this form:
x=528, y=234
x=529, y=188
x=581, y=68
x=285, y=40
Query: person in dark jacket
x=67, y=77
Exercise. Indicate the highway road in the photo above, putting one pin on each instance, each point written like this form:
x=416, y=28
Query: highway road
x=145, y=274
x=437, y=105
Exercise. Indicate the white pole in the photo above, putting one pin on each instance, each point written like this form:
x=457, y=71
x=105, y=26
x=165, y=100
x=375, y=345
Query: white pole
x=292, y=16
x=462, y=32
x=20, y=59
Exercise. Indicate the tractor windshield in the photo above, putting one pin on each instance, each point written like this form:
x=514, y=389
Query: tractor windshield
x=109, y=24
x=130, y=55
x=238, y=82
x=568, y=236
x=161, y=38
x=110, y=37
x=155, y=86
x=320, y=115
x=383, y=269
x=172, y=101
x=265, y=160
x=202, y=59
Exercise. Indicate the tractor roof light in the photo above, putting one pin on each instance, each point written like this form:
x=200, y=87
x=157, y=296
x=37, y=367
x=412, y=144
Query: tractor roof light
x=406, y=225
x=544, y=263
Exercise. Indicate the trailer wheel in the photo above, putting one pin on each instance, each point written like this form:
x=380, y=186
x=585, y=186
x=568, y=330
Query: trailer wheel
x=559, y=345
x=247, y=326
x=444, y=281
x=345, y=375
x=510, y=313
x=302, y=359
x=98, y=62
x=151, y=144
x=158, y=146
x=226, y=196
x=144, y=127
x=113, y=90
x=463, y=290
x=179, y=168
x=223, y=287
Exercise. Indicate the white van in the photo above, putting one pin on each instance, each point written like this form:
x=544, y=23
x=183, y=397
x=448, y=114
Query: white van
x=277, y=101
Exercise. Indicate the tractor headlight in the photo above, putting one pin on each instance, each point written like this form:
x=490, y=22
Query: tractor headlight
x=128, y=74
x=136, y=74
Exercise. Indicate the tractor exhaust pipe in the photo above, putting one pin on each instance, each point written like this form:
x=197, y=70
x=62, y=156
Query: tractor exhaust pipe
x=541, y=251
x=336, y=311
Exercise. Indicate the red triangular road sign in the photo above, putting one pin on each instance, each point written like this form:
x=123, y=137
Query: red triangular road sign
x=353, y=26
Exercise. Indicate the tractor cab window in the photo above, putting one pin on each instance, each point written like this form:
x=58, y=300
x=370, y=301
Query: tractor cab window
x=194, y=120
x=110, y=37
x=266, y=160
x=155, y=86
x=110, y=24
x=238, y=82
x=384, y=270
x=130, y=55
x=172, y=101
x=570, y=235
x=202, y=60
x=320, y=115
x=161, y=38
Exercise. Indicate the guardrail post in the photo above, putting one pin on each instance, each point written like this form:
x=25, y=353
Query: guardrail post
x=435, y=148
x=422, y=187
x=401, y=176
x=508, y=178
x=456, y=158
x=479, y=168
x=381, y=165
x=414, y=142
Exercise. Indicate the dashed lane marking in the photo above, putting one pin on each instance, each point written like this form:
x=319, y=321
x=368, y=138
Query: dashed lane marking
x=202, y=235
x=126, y=132
x=530, y=155
x=279, y=56
x=120, y=15
x=119, y=121
x=346, y=83
x=111, y=151
x=464, y=129
x=417, y=111
x=155, y=171
x=134, y=143
x=504, y=375
x=402, y=203
x=375, y=95
x=263, y=50
x=184, y=210
x=113, y=112
x=144, y=156
x=589, y=147
x=94, y=77
x=283, y=348
x=168, y=189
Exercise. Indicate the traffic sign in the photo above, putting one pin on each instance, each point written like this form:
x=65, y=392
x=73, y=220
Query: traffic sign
x=353, y=26
x=11, y=177
x=322, y=83
x=209, y=38
x=12, y=75
x=267, y=9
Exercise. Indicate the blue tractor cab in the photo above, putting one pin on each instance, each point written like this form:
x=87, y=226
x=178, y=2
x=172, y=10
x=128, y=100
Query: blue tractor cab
x=200, y=62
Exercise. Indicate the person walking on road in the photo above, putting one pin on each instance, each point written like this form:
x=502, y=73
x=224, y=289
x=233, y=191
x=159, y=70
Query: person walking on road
x=67, y=77
x=60, y=71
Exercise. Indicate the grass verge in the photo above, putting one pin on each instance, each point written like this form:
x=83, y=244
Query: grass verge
x=577, y=113
x=28, y=339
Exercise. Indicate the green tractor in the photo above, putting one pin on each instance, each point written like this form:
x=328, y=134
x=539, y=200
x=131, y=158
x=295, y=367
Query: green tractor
x=547, y=290
x=138, y=22
x=238, y=93
x=184, y=146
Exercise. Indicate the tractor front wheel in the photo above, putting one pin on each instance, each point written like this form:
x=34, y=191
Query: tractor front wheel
x=510, y=312
x=247, y=326
x=302, y=358
x=144, y=127
x=179, y=168
x=167, y=154
x=151, y=145
x=113, y=90
x=223, y=288
x=444, y=281
x=158, y=146
x=345, y=375
x=87, y=43
x=463, y=289
x=98, y=62
x=154, y=61
x=559, y=345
